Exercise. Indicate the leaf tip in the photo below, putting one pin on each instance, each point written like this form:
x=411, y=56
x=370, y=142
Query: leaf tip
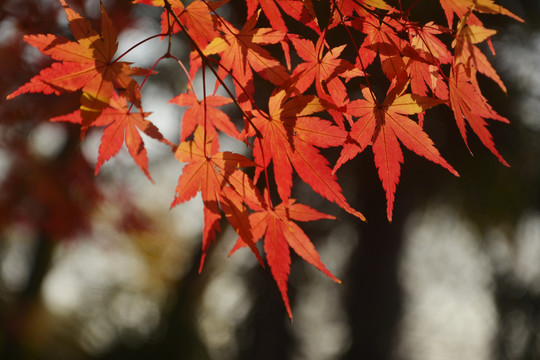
x=201, y=265
x=389, y=212
x=453, y=171
x=289, y=313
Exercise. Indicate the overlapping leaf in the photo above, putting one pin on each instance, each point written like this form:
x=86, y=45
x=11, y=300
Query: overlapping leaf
x=240, y=52
x=420, y=67
x=382, y=40
x=469, y=105
x=85, y=64
x=217, y=176
x=464, y=8
x=323, y=70
x=424, y=64
x=206, y=114
x=198, y=18
x=290, y=137
x=470, y=56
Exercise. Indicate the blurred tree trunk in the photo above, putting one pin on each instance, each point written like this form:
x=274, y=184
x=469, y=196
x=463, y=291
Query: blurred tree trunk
x=16, y=315
x=264, y=335
x=180, y=337
x=373, y=297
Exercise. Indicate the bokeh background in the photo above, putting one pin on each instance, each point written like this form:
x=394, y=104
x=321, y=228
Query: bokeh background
x=100, y=268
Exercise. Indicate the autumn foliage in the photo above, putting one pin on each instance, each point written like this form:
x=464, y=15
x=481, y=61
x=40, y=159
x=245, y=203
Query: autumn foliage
x=322, y=96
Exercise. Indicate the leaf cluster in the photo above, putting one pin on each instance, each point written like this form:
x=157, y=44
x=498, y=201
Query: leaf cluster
x=323, y=97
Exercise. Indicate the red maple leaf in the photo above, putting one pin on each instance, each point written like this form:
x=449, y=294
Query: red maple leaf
x=85, y=64
x=302, y=11
x=205, y=114
x=270, y=9
x=469, y=105
x=381, y=126
x=280, y=233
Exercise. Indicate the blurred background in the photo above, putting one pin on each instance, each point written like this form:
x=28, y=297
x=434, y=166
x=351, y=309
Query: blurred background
x=100, y=268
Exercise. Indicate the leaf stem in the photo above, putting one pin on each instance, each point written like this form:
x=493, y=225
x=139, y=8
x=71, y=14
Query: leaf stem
x=136, y=45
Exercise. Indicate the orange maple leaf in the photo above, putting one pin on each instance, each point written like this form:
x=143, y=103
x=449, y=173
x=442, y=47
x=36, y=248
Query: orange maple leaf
x=302, y=11
x=464, y=8
x=347, y=8
x=241, y=52
x=121, y=125
x=205, y=114
x=218, y=177
x=423, y=65
x=290, y=137
x=427, y=54
x=321, y=69
x=382, y=39
x=197, y=17
x=270, y=9
x=85, y=64
x=470, y=55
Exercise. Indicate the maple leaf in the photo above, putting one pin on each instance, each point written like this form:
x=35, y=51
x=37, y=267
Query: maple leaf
x=382, y=39
x=208, y=117
x=280, y=233
x=202, y=24
x=323, y=70
x=240, y=52
x=425, y=60
x=424, y=64
x=290, y=137
x=217, y=176
x=270, y=9
x=302, y=11
x=347, y=8
x=425, y=41
x=381, y=126
x=85, y=64
x=121, y=125
x=469, y=105
x=469, y=55
x=464, y=8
